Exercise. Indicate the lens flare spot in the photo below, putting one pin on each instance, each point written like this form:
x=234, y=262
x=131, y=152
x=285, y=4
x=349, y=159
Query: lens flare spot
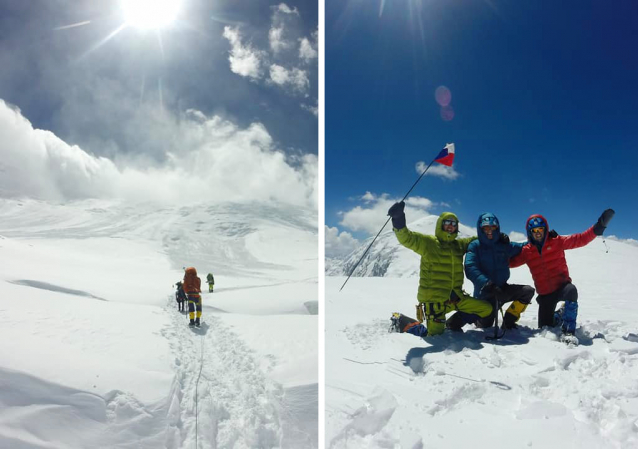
x=447, y=113
x=443, y=96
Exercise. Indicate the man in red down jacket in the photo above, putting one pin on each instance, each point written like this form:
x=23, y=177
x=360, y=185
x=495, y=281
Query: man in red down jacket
x=544, y=254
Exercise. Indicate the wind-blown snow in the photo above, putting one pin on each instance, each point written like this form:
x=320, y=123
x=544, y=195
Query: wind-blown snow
x=94, y=353
x=455, y=390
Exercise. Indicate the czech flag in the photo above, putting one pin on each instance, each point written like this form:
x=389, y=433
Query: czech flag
x=446, y=156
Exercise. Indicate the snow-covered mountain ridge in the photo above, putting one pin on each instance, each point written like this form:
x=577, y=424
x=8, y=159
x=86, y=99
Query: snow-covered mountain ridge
x=387, y=258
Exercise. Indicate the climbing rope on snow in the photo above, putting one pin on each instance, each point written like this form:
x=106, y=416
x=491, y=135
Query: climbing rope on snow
x=201, y=365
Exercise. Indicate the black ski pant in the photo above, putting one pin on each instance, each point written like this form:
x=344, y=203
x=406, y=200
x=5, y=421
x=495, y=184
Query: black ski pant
x=180, y=301
x=547, y=303
x=509, y=293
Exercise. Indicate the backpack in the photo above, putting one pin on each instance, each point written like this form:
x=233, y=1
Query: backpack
x=192, y=284
x=179, y=294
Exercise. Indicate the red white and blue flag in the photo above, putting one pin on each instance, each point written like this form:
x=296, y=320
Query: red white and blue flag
x=446, y=156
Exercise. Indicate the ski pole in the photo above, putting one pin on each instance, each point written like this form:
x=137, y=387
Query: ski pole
x=382, y=228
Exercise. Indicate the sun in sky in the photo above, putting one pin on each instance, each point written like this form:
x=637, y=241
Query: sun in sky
x=150, y=14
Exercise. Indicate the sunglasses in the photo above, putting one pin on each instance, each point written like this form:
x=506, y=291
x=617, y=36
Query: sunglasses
x=450, y=222
x=489, y=228
x=538, y=229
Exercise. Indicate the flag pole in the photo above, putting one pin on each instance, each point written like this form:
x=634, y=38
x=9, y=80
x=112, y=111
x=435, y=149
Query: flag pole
x=388, y=220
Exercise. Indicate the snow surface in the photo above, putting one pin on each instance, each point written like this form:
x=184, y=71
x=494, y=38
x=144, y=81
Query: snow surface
x=389, y=390
x=94, y=353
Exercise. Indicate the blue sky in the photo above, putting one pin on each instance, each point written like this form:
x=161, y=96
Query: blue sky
x=224, y=100
x=544, y=98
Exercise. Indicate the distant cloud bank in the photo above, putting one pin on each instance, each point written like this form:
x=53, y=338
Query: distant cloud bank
x=339, y=244
x=217, y=160
x=632, y=242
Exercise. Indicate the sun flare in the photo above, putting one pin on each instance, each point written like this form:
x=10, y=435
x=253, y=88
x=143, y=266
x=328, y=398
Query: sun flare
x=150, y=14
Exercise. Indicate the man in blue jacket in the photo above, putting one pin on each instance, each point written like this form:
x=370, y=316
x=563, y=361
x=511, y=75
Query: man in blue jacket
x=487, y=266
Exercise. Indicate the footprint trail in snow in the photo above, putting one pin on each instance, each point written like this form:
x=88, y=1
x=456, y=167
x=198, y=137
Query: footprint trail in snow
x=236, y=405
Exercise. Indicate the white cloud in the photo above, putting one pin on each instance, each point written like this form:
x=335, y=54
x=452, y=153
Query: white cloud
x=279, y=75
x=368, y=197
x=299, y=80
x=517, y=236
x=295, y=78
x=217, y=159
x=339, y=243
x=244, y=60
x=371, y=217
x=439, y=170
x=287, y=9
x=306, y=50
x=314, y=110
x=284, y=21
x=419, y=202
x=277, y=41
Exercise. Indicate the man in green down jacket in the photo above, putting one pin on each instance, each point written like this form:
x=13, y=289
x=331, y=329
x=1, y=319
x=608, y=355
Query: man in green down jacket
x=441, y=282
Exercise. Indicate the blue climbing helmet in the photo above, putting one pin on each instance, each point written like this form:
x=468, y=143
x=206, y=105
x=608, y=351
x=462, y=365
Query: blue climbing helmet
x=488, y=219
x=536, y=221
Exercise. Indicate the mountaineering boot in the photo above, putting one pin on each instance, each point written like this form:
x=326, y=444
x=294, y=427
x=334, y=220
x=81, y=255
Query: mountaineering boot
x=394, y=322
x=558, y=316
x=509, y=321
x=569, y=339
x=514, y=311
x=455, y=322
x=191, y=322
x=569, y=317
x=197, y=322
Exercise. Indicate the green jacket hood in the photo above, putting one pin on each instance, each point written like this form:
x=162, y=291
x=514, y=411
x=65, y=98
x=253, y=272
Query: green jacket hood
x=440, y=233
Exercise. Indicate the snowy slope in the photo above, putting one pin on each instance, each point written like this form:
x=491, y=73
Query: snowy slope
x=455, y=390
x=93, y=352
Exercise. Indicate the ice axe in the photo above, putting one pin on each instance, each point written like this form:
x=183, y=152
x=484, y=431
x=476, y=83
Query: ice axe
x=497, y=308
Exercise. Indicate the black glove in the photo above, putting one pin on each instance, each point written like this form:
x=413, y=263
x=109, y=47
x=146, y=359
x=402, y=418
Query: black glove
x=504, y=238
x=603, y=221
x=490, y=288
x=397, y=214
x=553, y=234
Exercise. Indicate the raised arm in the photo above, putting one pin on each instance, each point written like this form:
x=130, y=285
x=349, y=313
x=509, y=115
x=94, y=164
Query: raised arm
x=419, y=243
x=578, y=240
